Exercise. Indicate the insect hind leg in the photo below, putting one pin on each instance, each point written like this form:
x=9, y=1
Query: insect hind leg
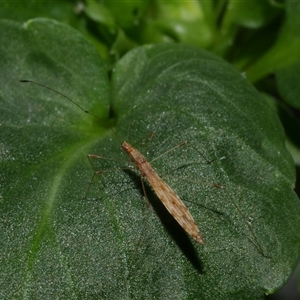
x=99, y=172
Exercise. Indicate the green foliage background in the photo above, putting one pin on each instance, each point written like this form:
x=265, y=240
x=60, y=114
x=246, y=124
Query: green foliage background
x=141, y=67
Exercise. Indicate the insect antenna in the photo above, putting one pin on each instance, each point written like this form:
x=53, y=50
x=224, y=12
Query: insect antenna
x=129, y=125
x=74, y=102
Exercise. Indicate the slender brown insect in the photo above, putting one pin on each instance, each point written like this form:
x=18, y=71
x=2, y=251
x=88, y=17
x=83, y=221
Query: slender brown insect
x=168, y=197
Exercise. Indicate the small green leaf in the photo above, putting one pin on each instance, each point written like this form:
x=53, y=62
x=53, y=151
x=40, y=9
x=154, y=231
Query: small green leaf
x=251, y=14
x=127, y=13
x=285, y=52
x=100, y=14
x=234, y=174
x=180, y=21
x=238, y=15
x=287, y=80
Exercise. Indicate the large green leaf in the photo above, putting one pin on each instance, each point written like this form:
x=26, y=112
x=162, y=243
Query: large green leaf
x=63, y=10
x=234, y=174
x=69, y=12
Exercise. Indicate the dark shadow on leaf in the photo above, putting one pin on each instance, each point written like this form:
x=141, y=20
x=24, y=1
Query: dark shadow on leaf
x=180, y=237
